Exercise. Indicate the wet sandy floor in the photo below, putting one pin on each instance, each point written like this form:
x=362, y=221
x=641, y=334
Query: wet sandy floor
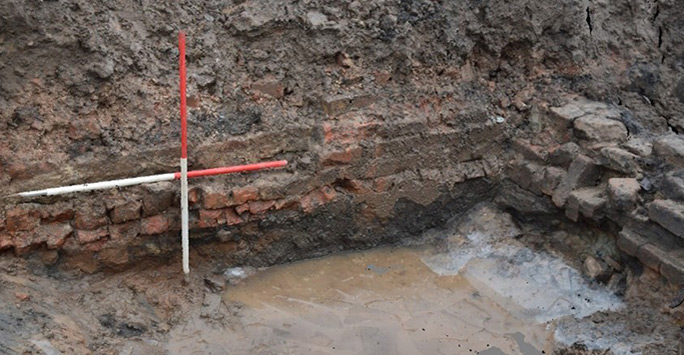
x=383, y=301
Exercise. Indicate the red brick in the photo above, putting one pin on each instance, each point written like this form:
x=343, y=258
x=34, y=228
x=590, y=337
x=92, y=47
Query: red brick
x=90, y=217
x=96, y=245
x=126, y=212
x=259, y=207
x=56, y=234
x=232, y=218
x=242, y=208
x=58, y=212
x=328, y=193
x=154, y=225
x=157, y=198
x=89, y=236
x=287, y=203
x=344, y=156
x=215, y=200
x=211, y=218
x=194, y=195
x=317, y=198
x=5, y=241
x=244, y=194
x=20, y=219
x=124, y=231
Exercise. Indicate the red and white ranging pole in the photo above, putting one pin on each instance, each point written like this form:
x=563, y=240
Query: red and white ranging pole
x=183, y=175
x=184, y=157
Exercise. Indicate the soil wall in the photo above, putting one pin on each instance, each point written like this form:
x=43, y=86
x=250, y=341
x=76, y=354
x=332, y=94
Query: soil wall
x=395, y=116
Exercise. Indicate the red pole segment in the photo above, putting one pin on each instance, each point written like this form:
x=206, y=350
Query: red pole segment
x=184, y=116
x=233, y=169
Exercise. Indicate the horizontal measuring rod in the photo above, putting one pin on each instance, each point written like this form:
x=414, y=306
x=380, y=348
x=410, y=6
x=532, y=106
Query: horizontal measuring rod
x=151, y=178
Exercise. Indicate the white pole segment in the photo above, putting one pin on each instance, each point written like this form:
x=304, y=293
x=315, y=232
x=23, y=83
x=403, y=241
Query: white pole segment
x=98, y=185
x=184, y=215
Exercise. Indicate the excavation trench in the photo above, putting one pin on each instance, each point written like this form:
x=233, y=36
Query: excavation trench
x=495, y=176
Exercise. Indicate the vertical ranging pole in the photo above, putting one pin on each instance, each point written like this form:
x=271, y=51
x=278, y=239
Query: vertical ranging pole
x=184, y=157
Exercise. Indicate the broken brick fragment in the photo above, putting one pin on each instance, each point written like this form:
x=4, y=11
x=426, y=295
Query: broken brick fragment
x=259, y=207
x=215, y=200
x=22, y=219
x=154, y=225
x=126, y=212
x=244, y=194
x=232, y=218
x=211, y=218
x=344, y=156
x=90, y=217
x=124, y=231
x=89, y=236
x=5, y=241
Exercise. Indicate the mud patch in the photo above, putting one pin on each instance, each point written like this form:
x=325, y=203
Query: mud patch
x=375, y=302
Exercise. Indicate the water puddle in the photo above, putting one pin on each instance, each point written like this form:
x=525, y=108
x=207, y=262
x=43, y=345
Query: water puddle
x=384, y=301
x=487, y=294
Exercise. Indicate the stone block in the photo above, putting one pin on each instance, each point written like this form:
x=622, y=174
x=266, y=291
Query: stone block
x=620, y=160
x=564, y=155
x=671, y=149
x=629, y=241
x=585, y=201
x=668, y=214
x=673, y=185
x=582, y=172
x=650, y=255
x=672, y=266
x=527, y=174
x=639, y=146
x=623, y=193
x=552, y=178
x=596, y=269
x=599, y=129
x=57, y=212
x=525, y=202
x=529, y=150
